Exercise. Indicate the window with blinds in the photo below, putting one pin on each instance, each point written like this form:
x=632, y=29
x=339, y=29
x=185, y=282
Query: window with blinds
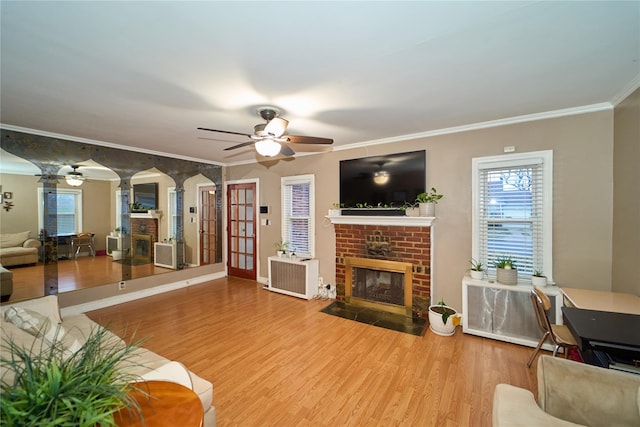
x=512, y=211
x=297, y=214
x=65, y=207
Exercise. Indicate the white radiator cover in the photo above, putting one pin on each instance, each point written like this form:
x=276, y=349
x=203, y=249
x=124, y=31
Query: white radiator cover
x=293, y=277
x=165, y=255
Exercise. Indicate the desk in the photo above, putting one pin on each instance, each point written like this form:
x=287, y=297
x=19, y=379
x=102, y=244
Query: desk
x=602, y=300
x=601, y=331
x=170, y=404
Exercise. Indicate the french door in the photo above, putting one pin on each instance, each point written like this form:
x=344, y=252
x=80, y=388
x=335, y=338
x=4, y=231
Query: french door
x=241, y=230
x=208, y=224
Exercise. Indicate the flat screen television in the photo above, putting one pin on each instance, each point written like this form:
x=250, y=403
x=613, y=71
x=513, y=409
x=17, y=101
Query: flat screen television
x=388, y=180
x=146, y=195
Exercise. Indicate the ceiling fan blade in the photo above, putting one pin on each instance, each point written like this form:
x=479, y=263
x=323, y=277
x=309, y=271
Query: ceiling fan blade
x=244, y=144
x=286, y=150
x=276, y=126
x=225, y=131
x=297, y=139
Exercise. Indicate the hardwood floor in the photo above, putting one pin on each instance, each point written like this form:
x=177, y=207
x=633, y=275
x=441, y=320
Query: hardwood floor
x=277, y=360
x=83, y=272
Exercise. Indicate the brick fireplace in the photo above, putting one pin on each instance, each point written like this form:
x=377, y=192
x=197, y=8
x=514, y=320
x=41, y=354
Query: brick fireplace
x=396, y=239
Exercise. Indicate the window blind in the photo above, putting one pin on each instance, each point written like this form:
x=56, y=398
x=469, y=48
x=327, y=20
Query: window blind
x=297, y=211
x=511, y=214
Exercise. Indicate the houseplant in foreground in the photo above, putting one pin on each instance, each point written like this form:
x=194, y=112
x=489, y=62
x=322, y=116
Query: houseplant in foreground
x=427, y=201
x=49, y=386
x=443, y=319
x=506, y=272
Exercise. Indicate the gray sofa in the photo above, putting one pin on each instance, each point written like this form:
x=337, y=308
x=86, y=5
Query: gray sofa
x=570, y=394
x=18, y=249
x=147, y=365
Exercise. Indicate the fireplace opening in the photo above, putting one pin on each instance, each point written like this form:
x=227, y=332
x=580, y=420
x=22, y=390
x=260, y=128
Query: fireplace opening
x=141, y=248
x=380, y=284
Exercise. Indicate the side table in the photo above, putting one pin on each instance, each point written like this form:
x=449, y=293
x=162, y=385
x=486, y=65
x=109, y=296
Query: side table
x=168, y=404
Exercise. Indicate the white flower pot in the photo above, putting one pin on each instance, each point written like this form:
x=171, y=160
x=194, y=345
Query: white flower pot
x=539, y=281
x=412, y=211
x=280, y=254
x=427, y=209
x=335, y=212
x=435, y=321
x=507, y=276
x=478, y=275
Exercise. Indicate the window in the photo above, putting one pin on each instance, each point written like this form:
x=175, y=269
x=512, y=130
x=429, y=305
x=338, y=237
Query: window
x=297, y=214
x=512, y=206
x=68, y=204
x=172, y=219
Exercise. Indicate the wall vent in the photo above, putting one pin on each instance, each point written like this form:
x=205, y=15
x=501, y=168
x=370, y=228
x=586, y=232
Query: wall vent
x=293, y=277
x=164, y=255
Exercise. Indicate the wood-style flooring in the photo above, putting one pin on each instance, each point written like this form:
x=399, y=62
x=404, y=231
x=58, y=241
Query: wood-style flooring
x=73, y=274
x=276, y=360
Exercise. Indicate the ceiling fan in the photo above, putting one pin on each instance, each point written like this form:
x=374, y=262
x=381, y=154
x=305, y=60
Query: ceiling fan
x=74, y=178
x=269, y=138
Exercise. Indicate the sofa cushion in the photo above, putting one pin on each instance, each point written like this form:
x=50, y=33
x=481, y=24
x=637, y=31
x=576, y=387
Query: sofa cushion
x=34, y=323
x=9, y=240
x=46, y=306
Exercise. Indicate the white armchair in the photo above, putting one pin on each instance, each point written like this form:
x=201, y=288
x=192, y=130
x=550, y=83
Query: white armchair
x=570, y=394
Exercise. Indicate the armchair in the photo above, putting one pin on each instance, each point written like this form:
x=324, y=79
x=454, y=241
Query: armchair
x=570, y=394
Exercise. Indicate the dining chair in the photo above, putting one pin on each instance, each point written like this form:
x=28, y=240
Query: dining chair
x=82, y=240
x=559, y=335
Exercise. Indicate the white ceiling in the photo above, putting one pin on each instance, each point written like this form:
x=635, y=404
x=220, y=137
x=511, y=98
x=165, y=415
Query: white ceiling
x=147, y=74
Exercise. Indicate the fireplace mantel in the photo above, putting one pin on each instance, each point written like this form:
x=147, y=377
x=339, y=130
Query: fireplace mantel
x=411, y=221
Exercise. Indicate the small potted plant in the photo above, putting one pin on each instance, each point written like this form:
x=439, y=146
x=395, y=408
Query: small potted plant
x=281, y=248
x=477, y=269
x=411, y=209
x=427, y=201
x=443, y=319
x=538, y=279
x=506, y=272
x=336, y=209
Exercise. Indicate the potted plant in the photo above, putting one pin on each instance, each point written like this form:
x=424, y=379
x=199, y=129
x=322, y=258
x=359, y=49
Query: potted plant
x=538, y=279
x=427, y=201
x=477, y=269
x=443, y=319
x=506, y=272
x=281, y=248
x=336, y=210
x=46, y=385
x=411, y=209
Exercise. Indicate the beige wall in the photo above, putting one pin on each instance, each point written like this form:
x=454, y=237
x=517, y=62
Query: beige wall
x=583, y=161
x=626, y=196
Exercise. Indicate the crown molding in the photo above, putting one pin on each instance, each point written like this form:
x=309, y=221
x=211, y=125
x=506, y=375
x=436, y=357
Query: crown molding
x=626, y=91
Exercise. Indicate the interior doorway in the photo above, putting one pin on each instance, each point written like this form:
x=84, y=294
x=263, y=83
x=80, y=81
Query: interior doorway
x=208, y=219
x=241, y=230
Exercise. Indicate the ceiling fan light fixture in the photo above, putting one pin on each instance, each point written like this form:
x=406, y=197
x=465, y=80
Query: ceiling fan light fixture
x=381, y=177
x=276, y=126
x=267, y=147
x=74, y=180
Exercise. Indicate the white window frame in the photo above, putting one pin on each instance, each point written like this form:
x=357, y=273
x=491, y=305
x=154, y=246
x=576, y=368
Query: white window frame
x=545, y=158
x=77, y=208
x=172, y=213
x=297, y=180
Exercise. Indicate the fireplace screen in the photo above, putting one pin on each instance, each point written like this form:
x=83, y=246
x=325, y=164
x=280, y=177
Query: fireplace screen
x=379, y=286
x=141, y=247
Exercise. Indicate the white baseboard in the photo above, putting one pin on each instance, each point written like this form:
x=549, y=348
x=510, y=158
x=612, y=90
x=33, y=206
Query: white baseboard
x=107, y=302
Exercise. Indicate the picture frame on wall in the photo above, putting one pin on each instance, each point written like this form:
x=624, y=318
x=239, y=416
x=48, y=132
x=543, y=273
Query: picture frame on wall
x=7, y=195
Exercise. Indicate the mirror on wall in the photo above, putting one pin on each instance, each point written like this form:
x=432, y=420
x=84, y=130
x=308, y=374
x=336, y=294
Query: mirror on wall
x=123, y=241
